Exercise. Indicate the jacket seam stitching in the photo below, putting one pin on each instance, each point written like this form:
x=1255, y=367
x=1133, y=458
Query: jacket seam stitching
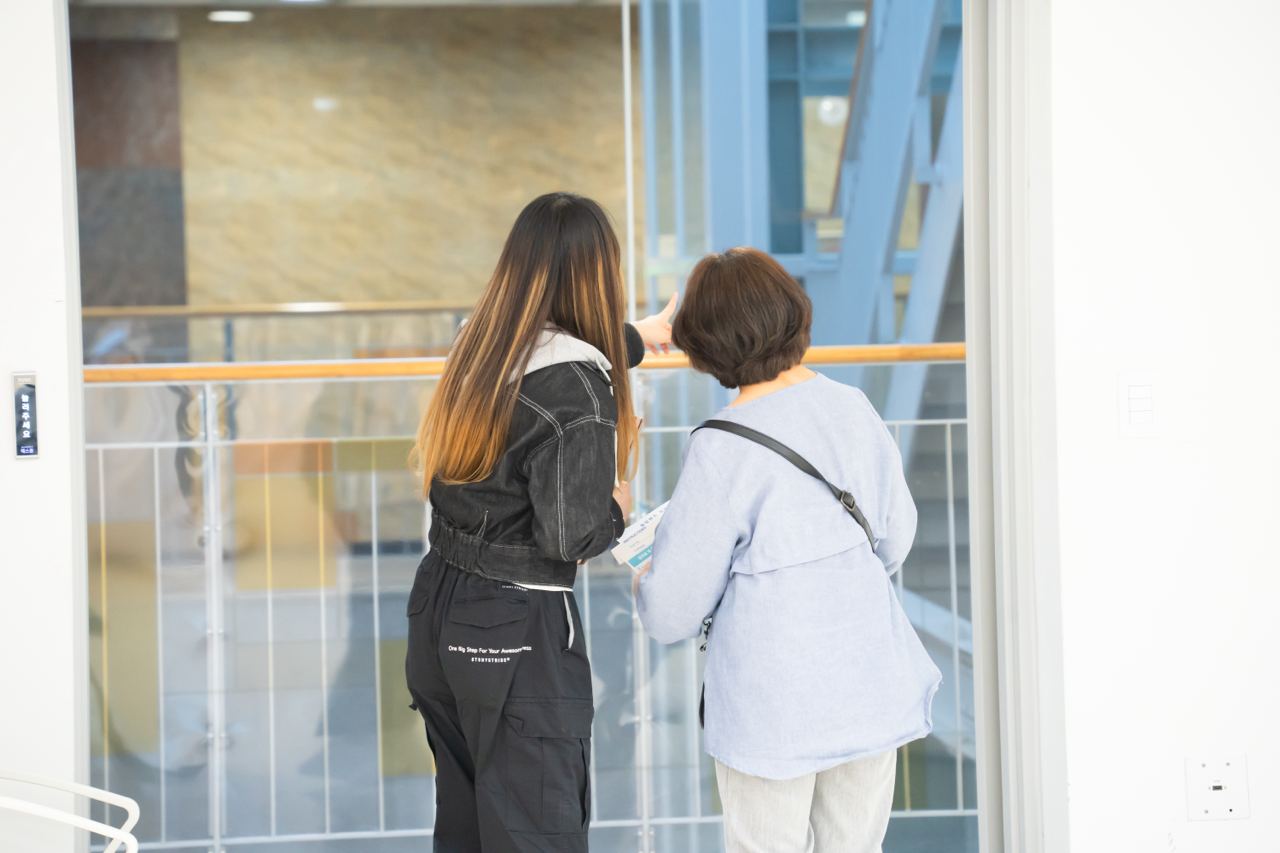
x=560, y=434
x=595, y=401
x=560, y=497
x=588, y=419
x=541, y=411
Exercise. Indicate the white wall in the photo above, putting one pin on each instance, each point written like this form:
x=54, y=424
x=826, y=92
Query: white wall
x=1165, y=200
x=43, y=673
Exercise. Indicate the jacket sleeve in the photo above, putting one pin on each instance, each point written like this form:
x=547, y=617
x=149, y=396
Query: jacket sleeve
x=635, y=345
x=899, y=529
x=571, y=480
x=692, y=554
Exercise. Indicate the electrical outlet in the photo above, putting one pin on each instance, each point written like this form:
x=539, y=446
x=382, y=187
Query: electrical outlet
x=1217, y=788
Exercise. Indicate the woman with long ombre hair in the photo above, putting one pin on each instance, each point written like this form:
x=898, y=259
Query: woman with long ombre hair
x=525, y=450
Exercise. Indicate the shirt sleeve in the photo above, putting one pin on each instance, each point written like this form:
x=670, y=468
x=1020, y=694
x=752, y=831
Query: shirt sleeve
x=692, y=554
x=899, y=532
x=635, y=345
x=571, y=487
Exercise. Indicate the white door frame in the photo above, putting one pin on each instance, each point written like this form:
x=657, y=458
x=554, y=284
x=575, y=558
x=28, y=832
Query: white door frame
x=1018, y=686
x=44, y=615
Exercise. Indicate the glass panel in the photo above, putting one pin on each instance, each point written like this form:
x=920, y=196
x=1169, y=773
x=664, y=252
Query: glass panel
x=851, y=13
x=932, y=835
x=309, y=332
x=824, y=120
x=301, y=153
x=604, y=591
x=672, y=125
x=249, y=586
x=151, y=414
x=321, y=531
x=147, y=628
x=783, y=11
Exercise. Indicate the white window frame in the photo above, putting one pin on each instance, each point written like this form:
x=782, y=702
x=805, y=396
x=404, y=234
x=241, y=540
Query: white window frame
x=1018, y=686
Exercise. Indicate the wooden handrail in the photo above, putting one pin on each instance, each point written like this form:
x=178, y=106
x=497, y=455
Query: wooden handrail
x=271, y=309
x=407, y=367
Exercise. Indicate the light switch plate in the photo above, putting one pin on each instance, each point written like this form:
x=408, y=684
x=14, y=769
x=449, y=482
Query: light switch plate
x=1217, y=788
x=1136, y=403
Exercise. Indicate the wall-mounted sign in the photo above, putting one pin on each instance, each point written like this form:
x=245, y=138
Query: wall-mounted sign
x=24, y=415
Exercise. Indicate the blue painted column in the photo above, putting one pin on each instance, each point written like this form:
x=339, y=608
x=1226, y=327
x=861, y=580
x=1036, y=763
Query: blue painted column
x=735, y=122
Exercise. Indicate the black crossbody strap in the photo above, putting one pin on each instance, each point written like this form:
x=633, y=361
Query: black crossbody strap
x=845, y=498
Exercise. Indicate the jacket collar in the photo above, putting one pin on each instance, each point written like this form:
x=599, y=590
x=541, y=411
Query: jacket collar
x=556, y=346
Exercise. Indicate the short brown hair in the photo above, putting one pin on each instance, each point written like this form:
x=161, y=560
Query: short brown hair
x=744, y=320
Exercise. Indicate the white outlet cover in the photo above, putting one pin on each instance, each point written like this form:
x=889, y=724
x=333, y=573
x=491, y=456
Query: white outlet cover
x=1217, y=788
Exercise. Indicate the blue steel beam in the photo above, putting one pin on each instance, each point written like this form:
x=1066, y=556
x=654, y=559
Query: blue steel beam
x=894, y=71
x=938, y=235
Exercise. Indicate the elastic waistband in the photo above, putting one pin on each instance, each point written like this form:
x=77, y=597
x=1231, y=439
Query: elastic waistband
x=520, y=564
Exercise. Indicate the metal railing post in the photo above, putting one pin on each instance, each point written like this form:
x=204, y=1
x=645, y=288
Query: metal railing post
x=215, y=620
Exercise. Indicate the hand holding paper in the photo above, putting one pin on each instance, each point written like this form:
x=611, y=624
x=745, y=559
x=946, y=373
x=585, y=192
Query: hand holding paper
x=635, y=545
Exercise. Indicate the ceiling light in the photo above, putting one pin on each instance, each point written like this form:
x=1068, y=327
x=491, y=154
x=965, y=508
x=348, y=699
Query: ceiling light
x=230, y=16
x=833, y=111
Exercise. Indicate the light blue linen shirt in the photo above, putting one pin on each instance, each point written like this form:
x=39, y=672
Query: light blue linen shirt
x=811, y=661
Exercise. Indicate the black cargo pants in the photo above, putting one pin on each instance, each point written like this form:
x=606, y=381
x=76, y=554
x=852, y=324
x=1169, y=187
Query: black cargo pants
x=501, y=677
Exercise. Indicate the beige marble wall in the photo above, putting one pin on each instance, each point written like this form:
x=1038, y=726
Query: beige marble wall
x=333, y=154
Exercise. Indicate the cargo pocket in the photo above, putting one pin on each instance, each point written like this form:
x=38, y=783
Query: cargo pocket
x=487, y=612
x=548, y=756
x=420, y=592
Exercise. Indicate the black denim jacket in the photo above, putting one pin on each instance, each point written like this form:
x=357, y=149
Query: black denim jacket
x=549, y=501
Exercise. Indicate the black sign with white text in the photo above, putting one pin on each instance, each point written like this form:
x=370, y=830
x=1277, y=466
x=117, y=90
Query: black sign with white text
x=24, y=414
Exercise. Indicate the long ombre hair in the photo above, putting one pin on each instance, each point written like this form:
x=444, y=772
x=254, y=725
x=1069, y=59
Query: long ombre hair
x=560, y=266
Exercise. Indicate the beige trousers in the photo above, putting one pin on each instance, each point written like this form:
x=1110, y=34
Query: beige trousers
x=841, y=810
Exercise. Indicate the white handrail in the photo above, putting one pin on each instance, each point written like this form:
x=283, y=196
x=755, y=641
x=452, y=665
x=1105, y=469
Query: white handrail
x=117, y=835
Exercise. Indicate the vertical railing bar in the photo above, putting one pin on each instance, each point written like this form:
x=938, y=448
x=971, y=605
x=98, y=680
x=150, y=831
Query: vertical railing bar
x=228, y=340
x=644, y=770
x=586, y=630
x=213, y=585
x=955, y=618
x=695, y=754
x=426, y=524
x=160, y=691
x=640, y=651
x=324, y=636
x=273, y=780
x=683, y=379
x=375, y=538
x=102, y=582
x=906, y=778
x=902, y=570
x=677, y=123
x=628, y=147
x=906, y=749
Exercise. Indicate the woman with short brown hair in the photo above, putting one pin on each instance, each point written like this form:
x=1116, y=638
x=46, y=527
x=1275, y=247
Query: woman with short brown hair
x=771, y=315
x=814, y=676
